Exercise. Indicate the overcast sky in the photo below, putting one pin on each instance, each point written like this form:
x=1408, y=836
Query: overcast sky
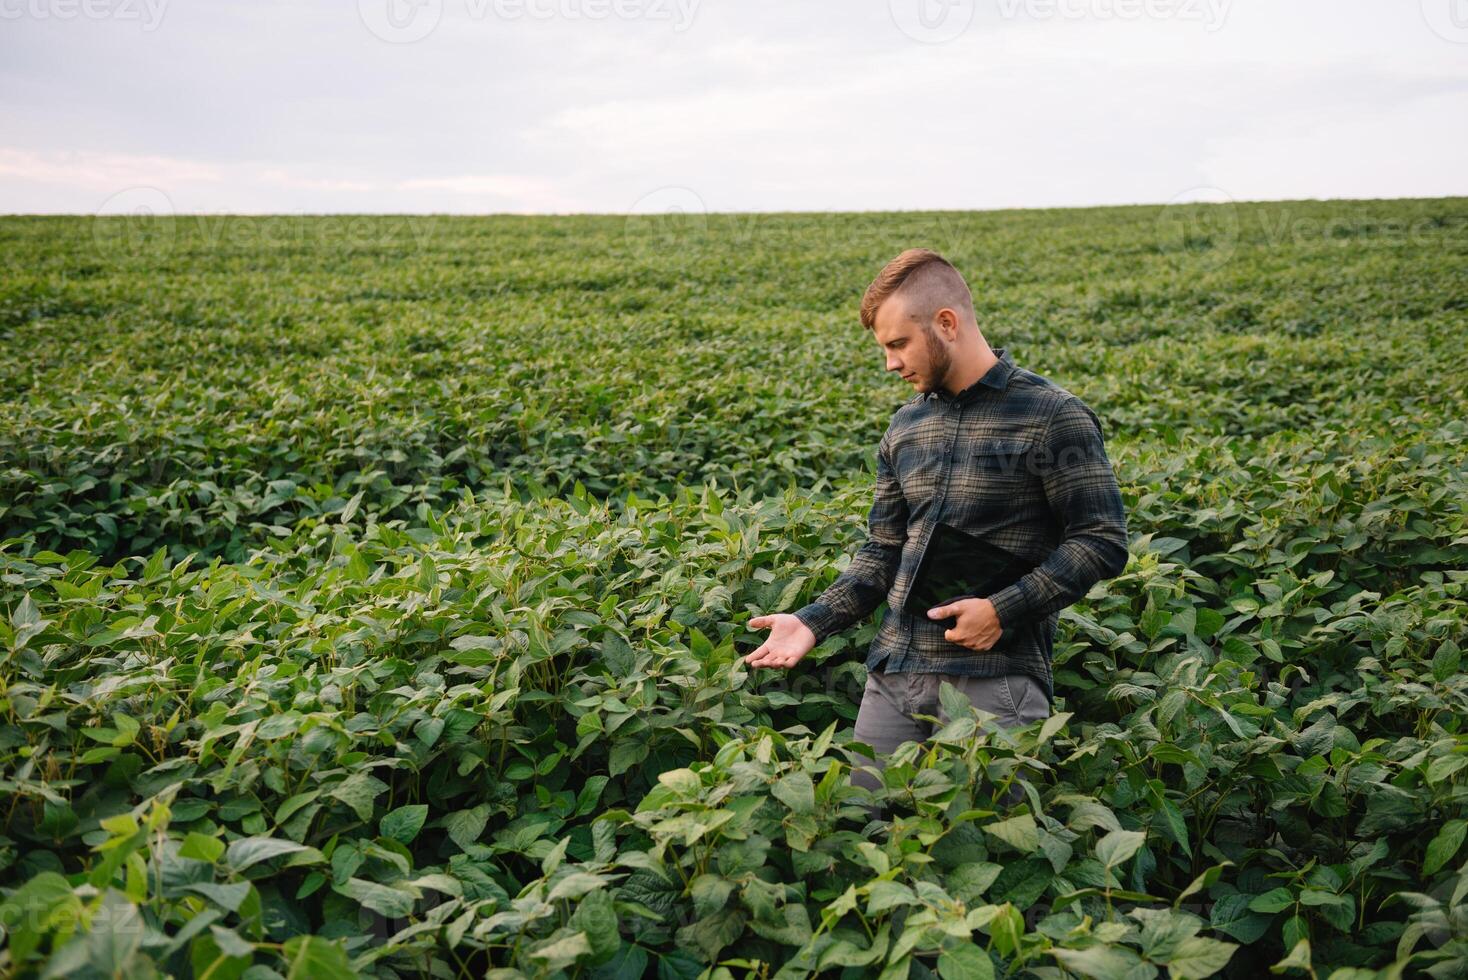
x=727, y=105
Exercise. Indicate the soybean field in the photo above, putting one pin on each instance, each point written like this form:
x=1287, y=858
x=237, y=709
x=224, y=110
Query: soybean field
x=373, y=596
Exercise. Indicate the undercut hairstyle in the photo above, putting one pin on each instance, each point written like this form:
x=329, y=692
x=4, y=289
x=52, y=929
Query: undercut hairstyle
x=927, y=283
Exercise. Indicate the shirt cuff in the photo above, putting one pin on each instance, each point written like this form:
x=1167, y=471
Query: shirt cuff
x=1010, y=604
x=817, y=618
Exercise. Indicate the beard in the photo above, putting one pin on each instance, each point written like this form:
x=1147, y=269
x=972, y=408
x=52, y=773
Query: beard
x=939, y=362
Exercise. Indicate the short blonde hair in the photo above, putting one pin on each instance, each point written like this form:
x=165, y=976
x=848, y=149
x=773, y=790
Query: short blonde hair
x=925, y=276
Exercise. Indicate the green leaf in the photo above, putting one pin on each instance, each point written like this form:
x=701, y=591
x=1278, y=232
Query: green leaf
x=1274, y=900
x=625, y=755
x=1172, y=822
x=596, y=916
x=965, y=963
x=1444, y=766
x=350, y=510
x=711, y=934
x=710, y=893
x=1205, y=880
x=25, y=613
x=1231, y=916
x=314, y=958
x=874, y=856
x=465, y=826
x=428, y=730
x=1208, y=622
x=574, y=885
x=562, y=949
x=292, y=805
x=231, y=943
x=1316, y=897
x=1018, y=832
x=884, y=895
x=403, y=823
x=1444, y=846
x=1100, y=962
x=1298, y=958
x=127, y=729
x=629, y=962
x=359, y=791
x=202, y=848
x=1117, y=847
x=228, y=897
x=1446, y=660
x=475, y=651
x=26, y=913
x=955, y=703
x=1199, y=957
x=969, y=881
x=796, y=791
x=249, y=851
x=385, y=900
x=684, y=782
x=1171, y=704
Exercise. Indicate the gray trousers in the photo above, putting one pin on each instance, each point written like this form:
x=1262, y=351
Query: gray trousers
x=884, y=720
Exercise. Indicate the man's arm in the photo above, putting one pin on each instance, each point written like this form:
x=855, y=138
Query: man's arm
x=862, y=587
x=1081, y=490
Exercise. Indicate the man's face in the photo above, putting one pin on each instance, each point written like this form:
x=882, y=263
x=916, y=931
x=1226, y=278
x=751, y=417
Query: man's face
x=916, y=353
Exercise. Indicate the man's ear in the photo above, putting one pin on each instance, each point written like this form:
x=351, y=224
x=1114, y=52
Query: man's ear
x=947, y=322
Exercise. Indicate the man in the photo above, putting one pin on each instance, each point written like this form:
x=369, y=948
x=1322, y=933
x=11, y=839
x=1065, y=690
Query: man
x=997, y=452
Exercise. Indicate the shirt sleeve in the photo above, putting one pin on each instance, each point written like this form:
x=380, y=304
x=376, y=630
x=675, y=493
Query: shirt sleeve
x=867, y=579
x=1081, y=491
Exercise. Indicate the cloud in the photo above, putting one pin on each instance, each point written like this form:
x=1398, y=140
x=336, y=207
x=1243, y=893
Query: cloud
x=192, y=186
x=530, y=193
x=759, y=105
x=285, y=178
x=102, y=171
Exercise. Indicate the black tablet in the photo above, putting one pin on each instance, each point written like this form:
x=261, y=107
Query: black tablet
x=958, y=565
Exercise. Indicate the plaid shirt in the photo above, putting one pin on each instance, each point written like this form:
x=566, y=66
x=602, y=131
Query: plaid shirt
x=1013, y=458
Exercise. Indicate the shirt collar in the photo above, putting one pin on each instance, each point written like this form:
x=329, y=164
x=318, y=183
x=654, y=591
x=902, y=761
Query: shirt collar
x=997, y=377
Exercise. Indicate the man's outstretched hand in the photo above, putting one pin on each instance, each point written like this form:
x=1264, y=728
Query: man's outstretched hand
x=789, y=640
